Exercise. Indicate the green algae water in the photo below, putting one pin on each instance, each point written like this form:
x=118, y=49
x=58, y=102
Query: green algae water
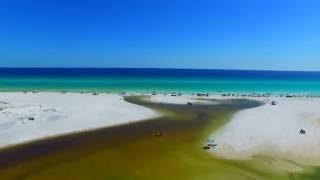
x=132, y=151
x=158, y=80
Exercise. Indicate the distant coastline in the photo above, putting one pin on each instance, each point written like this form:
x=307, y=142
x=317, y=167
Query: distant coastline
x=137, y=80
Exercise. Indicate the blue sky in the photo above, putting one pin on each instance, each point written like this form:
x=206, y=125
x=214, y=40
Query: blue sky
x=225, y=34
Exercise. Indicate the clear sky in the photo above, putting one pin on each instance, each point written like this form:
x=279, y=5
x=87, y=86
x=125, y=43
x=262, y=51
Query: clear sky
x=218, y=34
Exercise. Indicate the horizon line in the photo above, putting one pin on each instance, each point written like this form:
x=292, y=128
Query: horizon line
x=270, y=70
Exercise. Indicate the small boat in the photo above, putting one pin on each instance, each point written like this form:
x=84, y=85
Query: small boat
x=160, y=134
x=206, y=147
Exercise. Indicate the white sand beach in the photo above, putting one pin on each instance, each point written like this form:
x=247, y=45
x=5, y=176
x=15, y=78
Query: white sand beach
x=273, y=130
x=27, y=117
x=268, y=130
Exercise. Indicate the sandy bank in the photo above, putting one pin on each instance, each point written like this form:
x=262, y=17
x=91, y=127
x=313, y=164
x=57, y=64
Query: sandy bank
x=179, y=99
x=26, y=117
x=274, y=130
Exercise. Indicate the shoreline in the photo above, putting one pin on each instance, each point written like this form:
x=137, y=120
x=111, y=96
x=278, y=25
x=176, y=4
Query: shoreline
x=30, y=117
x=112, y=148
x=223, y=93
x=23, y=106
x=71, y=133
x=244, y=134
x=240, y=138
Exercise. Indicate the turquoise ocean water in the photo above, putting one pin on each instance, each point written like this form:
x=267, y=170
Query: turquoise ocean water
x=158, y=80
